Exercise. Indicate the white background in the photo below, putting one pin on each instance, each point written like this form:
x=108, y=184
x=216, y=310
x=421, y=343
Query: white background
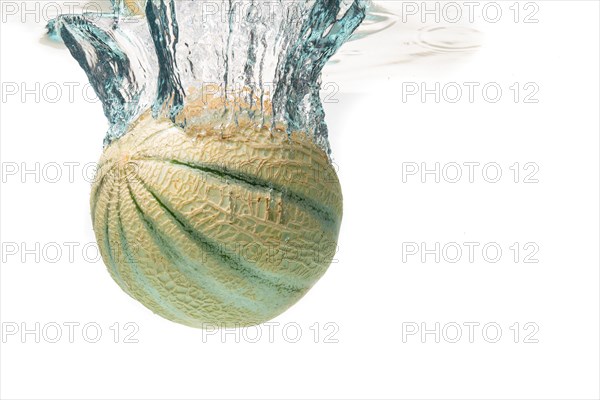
x=369, y=293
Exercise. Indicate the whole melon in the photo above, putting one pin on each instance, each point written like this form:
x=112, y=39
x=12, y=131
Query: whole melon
x=215, y=227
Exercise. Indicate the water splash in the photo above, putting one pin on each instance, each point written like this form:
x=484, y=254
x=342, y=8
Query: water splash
x=261, y=58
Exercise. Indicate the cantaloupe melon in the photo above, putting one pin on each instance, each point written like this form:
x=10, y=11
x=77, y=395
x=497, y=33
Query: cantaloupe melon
x=215, y=227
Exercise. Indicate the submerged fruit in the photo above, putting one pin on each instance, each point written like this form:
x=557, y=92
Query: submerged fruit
x=226, y=227
x=210, y=205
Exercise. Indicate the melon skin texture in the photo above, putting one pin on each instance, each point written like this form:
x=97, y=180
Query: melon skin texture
x=210, y=228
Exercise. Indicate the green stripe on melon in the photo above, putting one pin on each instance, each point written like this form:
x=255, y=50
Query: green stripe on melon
x=227, y=228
